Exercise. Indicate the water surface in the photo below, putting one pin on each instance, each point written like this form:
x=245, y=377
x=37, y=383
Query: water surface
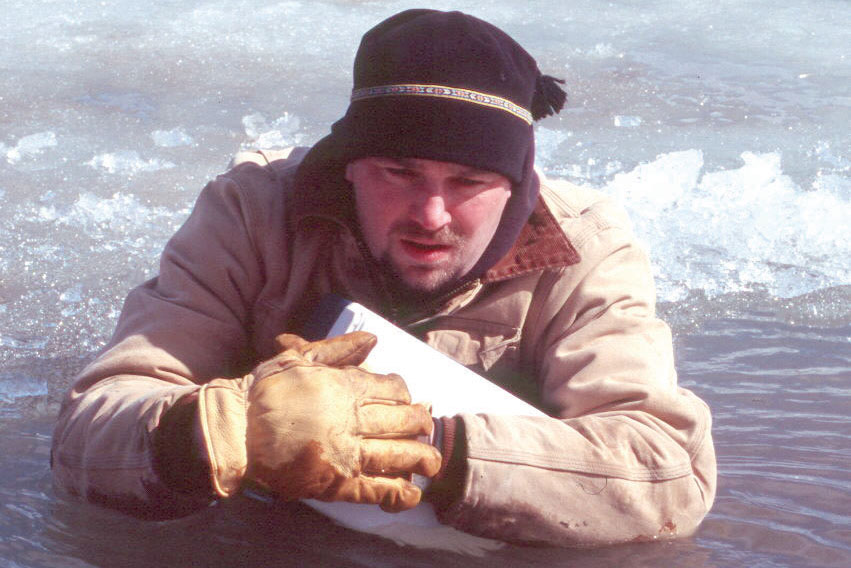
x=723, y=128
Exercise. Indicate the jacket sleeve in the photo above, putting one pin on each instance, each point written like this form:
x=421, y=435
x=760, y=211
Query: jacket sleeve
x=626, y=454
x=175, y=332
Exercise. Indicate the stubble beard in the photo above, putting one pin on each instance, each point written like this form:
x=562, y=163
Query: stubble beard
x=428, y=282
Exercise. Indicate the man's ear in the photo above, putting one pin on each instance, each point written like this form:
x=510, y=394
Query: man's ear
x=349, y=173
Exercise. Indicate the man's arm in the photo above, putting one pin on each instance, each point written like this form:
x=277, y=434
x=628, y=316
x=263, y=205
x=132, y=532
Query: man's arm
x=626, y=456
x=175, y=332
x=169, y=417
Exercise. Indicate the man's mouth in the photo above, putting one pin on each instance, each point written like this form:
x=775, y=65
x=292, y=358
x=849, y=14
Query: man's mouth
x=425, y=251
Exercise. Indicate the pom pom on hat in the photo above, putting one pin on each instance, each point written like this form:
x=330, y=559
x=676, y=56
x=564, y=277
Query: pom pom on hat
x=549, y=98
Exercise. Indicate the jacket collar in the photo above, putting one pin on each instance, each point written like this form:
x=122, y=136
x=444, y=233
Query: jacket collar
x=541, y=245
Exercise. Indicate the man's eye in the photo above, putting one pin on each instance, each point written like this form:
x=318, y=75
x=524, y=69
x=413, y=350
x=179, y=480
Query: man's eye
x=400, y=172
x=469, y=182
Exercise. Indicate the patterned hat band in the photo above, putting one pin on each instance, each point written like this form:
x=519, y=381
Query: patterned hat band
x=444, y=92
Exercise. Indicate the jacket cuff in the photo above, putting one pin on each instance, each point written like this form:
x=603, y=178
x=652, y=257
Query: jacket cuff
x=179, y=460
x=448, y=485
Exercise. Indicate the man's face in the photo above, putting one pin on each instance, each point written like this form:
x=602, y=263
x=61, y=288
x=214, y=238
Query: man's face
x=428, y=222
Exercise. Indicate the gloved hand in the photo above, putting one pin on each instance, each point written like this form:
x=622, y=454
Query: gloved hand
x=309, y=423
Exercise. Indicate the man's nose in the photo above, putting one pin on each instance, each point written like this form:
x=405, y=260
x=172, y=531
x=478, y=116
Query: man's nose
x=430, y=211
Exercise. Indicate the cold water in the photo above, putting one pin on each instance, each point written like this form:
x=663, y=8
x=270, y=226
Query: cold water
x=723, y=127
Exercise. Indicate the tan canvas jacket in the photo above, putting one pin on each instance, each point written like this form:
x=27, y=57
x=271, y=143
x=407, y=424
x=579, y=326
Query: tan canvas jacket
x=566, y=320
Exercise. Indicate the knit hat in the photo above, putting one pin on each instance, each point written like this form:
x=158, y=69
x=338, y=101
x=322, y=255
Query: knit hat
x=450, y=87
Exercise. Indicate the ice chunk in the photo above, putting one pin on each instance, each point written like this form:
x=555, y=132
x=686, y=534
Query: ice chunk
x=650, y=188
x=29, y=146
x=171, y=138
x=127, y=162
x=547, y=142
x=738, y=229
x=47, y=213
x=283, y=132
x=603, y=51
x=90, y=211
x=622, y=121
x=73, y=294
x=828, y=156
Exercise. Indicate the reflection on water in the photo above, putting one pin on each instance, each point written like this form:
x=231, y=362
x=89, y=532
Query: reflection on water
x=781, y=397
x=780, y=394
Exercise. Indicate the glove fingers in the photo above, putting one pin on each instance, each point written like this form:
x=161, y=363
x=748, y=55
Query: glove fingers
x=339, y=351
x=373, y=388
x=350, y=349
x=394, y=420
x=287, y=341
x=393, y=457
x=392, y=494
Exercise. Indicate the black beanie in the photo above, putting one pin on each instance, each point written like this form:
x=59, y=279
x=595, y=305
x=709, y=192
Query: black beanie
x=450, y=87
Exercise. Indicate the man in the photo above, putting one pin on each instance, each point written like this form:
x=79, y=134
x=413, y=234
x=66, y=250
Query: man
x=423, y=205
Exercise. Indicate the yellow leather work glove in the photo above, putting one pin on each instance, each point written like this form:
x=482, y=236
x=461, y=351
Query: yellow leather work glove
x=309, y=423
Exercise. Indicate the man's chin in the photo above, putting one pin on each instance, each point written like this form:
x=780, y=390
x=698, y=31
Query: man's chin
x=426, y=286
x=423, y=283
